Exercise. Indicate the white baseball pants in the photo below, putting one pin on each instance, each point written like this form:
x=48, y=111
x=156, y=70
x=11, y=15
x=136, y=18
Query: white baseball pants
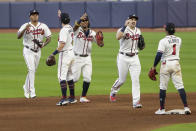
x=84, y=65
x=171, y=69
x=131, y=64
x=65, y=63
x=32, y=62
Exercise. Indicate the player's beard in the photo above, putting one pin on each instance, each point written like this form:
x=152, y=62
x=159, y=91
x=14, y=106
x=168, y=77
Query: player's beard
x=84, y=27
x=133, y=24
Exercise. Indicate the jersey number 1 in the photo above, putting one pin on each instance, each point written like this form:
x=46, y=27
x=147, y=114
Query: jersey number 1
x=174, y=49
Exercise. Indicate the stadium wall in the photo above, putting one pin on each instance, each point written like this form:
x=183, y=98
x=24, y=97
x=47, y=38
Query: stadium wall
x=151, y=14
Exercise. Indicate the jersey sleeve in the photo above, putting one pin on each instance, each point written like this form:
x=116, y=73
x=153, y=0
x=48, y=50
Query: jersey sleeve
x=63, y=35
x=22, y=27
x=47, y=31
x=161, y=47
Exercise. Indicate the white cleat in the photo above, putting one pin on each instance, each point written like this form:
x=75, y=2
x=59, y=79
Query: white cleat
x=187, y=111
x=160, y=112
x=26, y=93
x=84, y=100
x=137, y=105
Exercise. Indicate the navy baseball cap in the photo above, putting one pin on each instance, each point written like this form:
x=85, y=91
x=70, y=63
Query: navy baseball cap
x=34, y=11
x=170, y=26
x=133, y=16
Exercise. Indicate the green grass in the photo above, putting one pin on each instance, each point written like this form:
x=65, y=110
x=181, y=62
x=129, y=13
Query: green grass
x=178, y=127
x=13, y=69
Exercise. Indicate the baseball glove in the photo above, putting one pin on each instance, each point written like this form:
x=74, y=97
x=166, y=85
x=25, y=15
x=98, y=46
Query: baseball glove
x=99, y=38
x=141, y=43
x=51, y=60
x=37, y=43
x=152, y=74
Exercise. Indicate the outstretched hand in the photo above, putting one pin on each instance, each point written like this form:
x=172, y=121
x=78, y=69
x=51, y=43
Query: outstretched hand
x=59, y=13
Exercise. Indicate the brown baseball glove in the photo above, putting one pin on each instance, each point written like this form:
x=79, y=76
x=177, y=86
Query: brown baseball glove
x=152, y=74
x=51, y=60
x=99, y=38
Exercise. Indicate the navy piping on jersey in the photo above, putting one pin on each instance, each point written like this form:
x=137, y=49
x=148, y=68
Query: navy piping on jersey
x=84, y=47
x=89, y=32
x=37, y=33
x=132, y=41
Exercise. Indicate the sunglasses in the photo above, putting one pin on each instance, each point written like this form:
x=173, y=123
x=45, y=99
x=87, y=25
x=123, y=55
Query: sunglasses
x=84, y=20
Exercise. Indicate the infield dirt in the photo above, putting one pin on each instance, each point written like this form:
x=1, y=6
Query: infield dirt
x=41, y=114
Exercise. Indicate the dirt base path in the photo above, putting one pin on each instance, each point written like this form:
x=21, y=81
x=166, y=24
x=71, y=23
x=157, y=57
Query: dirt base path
x=42, y=114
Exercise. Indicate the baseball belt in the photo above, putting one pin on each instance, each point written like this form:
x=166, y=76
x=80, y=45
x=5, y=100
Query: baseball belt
x=129, y=54
x=80, y=55
x=31, y=49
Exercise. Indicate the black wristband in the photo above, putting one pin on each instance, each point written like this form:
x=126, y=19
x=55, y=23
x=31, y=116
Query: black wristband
x=55, y=52
x=123, y=28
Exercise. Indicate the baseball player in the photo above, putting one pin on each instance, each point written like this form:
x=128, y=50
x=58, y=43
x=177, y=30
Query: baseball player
x=33, y=34
x=66, y=58
x=83, y=39
x=128, y=60
x=168, y=52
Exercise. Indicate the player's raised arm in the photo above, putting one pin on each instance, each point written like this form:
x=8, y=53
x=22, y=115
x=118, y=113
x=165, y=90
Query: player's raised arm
x=120, y=33
x=77, y=23
x=21, y=31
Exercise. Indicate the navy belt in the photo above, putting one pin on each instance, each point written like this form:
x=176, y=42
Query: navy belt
x=129, y=54
x=31, y=49
x=81, y=55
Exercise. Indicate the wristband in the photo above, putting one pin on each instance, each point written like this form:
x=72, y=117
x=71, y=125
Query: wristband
x=55, y=52
x=123, y=28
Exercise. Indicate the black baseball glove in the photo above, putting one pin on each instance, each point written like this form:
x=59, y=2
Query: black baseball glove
x=141, y=43
x=37, y=42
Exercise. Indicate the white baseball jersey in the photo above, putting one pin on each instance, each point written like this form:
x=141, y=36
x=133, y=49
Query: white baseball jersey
x=35, y=32
x=66, y=36
x=129, y=43
x=170, y=47
x=83, y=44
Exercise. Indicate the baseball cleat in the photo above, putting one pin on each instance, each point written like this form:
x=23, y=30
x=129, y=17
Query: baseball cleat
x=138, y=105
x=112, y=97
x=84, y=100
x=62, y=102
x=160, y=112
x=33, y=97
x=187, y=111
x=26, y=93
x=72, y=100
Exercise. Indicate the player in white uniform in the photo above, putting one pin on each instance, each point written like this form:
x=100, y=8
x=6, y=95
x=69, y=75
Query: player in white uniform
x=128, y=60
x=32, y=52
x=83, y=38
x=66, y=58
x=168, y=52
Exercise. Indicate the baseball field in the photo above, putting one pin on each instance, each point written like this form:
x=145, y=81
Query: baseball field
x=18, y=113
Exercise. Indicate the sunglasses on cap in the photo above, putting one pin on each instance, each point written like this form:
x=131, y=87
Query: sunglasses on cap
x=84, y=20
